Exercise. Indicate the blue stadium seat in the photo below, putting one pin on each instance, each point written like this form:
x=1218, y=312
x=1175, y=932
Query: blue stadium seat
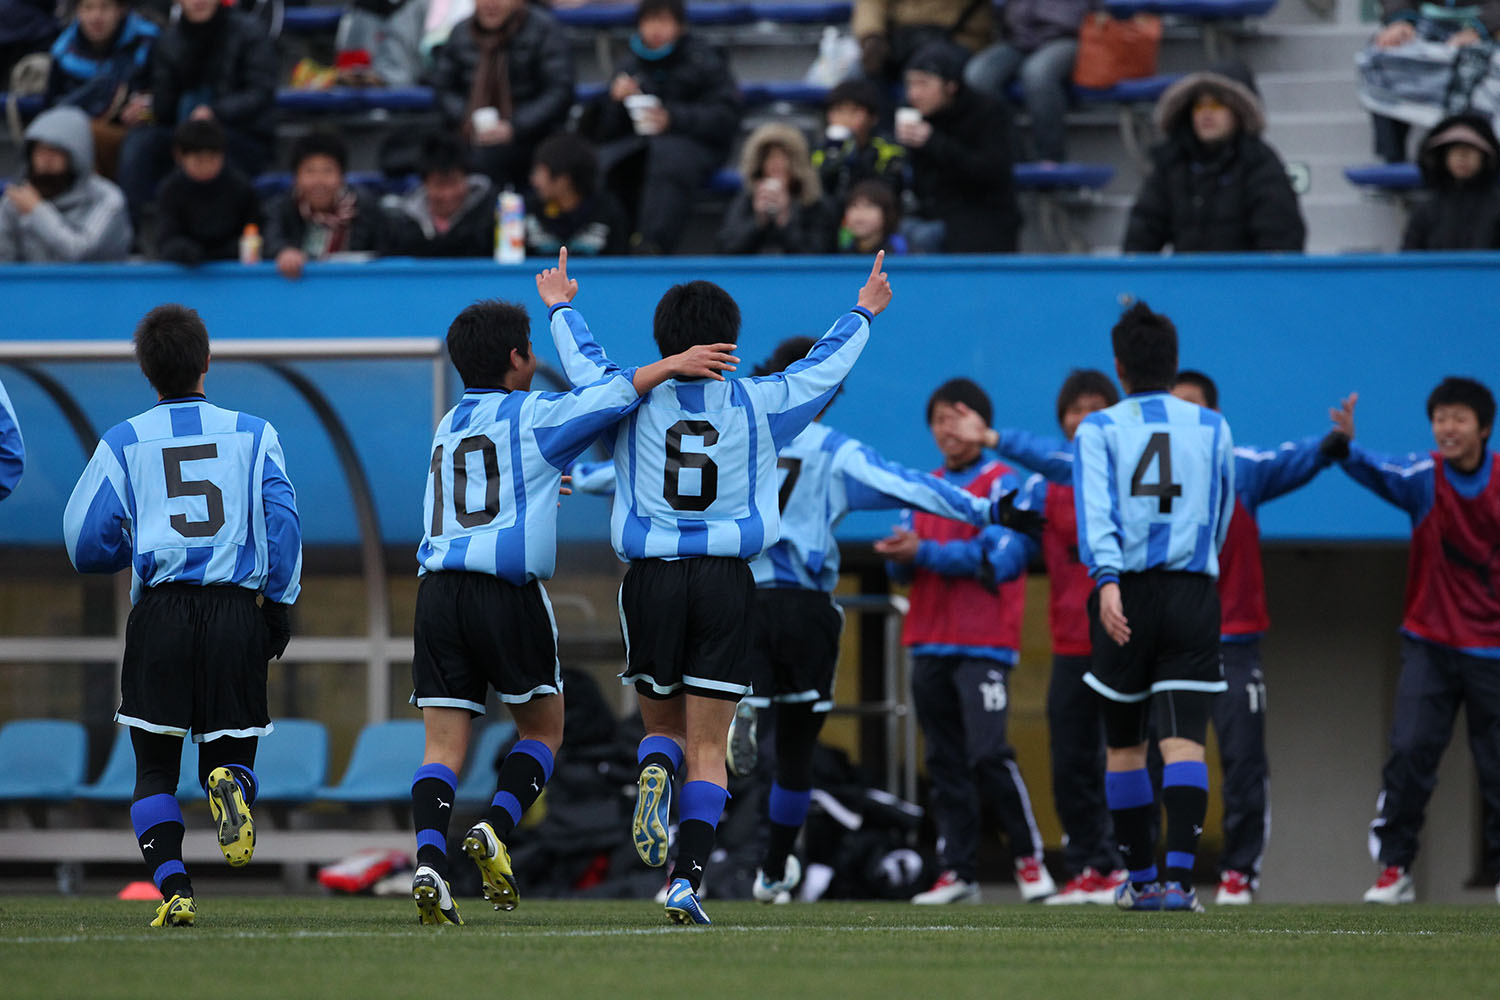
x=311, y=20
x=1197, y=10
x=380, y=769
x=292, y=763
x=28, y=105
x=335, y=100
x=623, y=15
x=42, y=760
x=1386, y=176
x=789, y=91
x=270, y=185
x=188, y=789
x=1069, y=176
x=725, y=180
x=396, y=98
x=802, y=12
x=1140, y=91
x=116, y=783
x=477, y=784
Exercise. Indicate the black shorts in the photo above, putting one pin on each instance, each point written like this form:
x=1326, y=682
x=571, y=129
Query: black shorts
x=795, y=650
x=195, y=659
x=475, y=631
x=1174, y=638
x=687, y=626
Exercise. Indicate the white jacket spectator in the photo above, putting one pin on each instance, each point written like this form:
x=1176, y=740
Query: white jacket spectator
x=62, y=212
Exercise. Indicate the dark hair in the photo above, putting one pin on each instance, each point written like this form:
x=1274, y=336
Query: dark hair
x=1145, y=345
x=320, y=144
x=1085, y=382
x=1189, y=376
x=696, y=312
x=198, y=136
x=568, y=154
x=872, y=189
x=481, y=338
x=442, y=154
x=676, y=8
x=787, y=353
x=965, y=391
x=1456, y=390
x=171, y=345
x=858, y=92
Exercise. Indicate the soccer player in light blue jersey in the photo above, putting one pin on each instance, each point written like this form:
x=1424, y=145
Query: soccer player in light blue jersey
x=696, y=490
x=195, y=500
x=1153, y=478
x=12, y=447
x=490, y=538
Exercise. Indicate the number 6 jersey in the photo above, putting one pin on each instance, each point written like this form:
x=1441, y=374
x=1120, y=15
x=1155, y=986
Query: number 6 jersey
x=1153, y=483
x=695, y=466
x=188, y=492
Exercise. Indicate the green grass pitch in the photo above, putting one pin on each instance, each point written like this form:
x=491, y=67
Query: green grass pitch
x=549, y=950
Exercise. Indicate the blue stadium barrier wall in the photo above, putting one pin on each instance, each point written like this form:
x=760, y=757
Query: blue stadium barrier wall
x=1284, y=337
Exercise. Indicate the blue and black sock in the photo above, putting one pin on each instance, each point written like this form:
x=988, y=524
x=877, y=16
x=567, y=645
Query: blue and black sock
x=661, y=750
x=701, y=805
x=1184, y=794
x=523, y=775
x=788, y=809
x=431, y=809
x=1131, y=805
x=157, y=820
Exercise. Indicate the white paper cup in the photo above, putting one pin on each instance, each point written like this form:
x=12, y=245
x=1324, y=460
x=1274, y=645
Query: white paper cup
x=484, y=119
x=908, y=116
x=839, y=133
x=638, y=105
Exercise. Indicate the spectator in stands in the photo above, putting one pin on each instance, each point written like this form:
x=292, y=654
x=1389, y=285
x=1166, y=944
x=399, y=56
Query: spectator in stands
x=62, y=211
x=779, y=207
x=505, y=80
x=451, y=215
x=1402, y=21
x=1215, y=185
x=566, y=208
x=871, y=221
x=960, y=159
x=101, y=63
x=204, y=205
x=852, y=149
x=26, y=26
x=891, y=32
x=389, y=34
x=212, y=62
x=1458, y=161
x=657, y=154
x=321, y=215
x=1039, y=41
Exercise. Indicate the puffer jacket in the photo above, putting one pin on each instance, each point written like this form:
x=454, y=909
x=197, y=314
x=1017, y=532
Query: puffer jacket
x=238, y=80
x=541, y=74
x=1483, y=17
x=881, y=17
x=963, y=175
x=87, y=222
x=696, y=88
x=410, y=232
x=1457, y=215
x=90, y=79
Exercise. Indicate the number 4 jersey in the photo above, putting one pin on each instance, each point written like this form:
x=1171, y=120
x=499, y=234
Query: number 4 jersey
x=1153, y=484
x=188, y=492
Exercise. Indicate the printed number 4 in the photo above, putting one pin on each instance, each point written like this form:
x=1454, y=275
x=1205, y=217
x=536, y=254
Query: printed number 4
x=177, y=488
x=1164, y=489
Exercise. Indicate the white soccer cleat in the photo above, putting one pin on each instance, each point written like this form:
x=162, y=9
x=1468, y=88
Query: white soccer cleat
x=1033, y=879
x=1235, y=889
x=1392, y=887
x=780, y=890
x=948, y=888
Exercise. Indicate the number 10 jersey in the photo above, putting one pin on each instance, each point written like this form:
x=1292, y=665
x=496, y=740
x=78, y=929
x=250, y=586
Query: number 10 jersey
x=188, y=492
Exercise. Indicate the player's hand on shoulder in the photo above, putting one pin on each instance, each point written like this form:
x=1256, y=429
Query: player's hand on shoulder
x=876, y=294
x=705, y=361
x=553, y=284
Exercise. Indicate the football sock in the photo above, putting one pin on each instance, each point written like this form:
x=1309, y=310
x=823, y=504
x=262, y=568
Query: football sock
x=788, y=808
x=523, y=774
x=157, y=820
x=660, y=750
x=797, y=728
x=236, y=753
x=701, y=805
x=431, y=809
x=1184, y=794
x=1131, y=804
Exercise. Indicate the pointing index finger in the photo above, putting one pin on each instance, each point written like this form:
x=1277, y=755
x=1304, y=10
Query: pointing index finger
x=879, y=259
x=562, y=262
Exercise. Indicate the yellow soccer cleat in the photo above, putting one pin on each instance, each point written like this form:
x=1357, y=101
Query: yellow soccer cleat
x=435, y=905
x=648, y=828
x=226, y=800
x=179, y=911
x=486, y=851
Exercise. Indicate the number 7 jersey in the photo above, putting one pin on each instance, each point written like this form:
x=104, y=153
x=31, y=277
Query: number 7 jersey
x=188, y=492
x=1153, y=482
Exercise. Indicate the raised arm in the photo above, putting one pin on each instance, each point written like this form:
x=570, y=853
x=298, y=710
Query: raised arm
x=12, y=447
x=1265, y=475
x=1099, y=545
x=873, y=482
x=283, y=525
x=1052, y=457
x=95, y=523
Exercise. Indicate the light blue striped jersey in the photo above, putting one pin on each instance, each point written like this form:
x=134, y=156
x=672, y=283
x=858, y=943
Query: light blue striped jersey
x=497, y=463
x=12, y=447
x=188, y=492
x=825, y=475
x=695, y=466
x=1153, y=480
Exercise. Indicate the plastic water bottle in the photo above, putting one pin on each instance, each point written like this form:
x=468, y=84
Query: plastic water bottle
x=250, y=245
x=510, y=228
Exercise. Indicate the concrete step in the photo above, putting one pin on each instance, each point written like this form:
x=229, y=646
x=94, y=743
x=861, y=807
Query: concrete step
x=1313, y=90
x=1329, y=133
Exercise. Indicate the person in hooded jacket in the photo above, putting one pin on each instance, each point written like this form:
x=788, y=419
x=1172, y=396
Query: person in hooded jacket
x=102, y=64
x=656, y=159
x=1215, y=184
x=1458, y=162
x=62, y=212
x=452, y=213
x=780, y=208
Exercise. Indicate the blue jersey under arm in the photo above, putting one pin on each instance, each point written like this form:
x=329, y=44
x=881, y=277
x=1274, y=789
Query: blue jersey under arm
x=1052, y=457
x=1406, y=481
x=12, y=447
x=1265, y=474
x=874, y=482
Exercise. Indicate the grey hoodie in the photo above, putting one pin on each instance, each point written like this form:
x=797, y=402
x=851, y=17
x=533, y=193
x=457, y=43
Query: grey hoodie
x=87, y=222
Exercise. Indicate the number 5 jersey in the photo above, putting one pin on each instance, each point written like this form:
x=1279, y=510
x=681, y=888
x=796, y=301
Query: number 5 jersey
x=188, y=492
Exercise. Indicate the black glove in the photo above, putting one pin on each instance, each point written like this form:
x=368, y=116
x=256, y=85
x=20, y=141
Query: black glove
x=1025, y=522
x=278, y=621
x=1335, y=445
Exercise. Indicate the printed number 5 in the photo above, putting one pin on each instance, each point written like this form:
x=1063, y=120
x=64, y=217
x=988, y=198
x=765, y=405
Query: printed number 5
x=177, y=488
